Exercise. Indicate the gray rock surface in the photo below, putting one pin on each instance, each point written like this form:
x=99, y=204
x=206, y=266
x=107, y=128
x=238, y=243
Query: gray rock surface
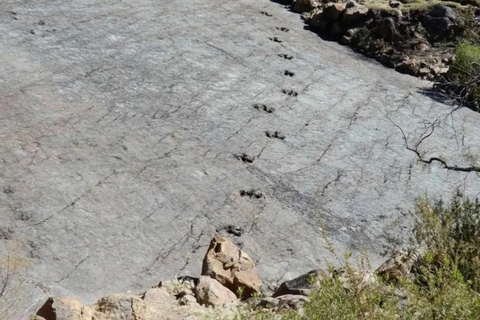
x=120, y=122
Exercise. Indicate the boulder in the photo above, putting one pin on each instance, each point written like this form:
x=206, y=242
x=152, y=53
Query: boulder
x=301, y=6
x=410, y=66
x=347, y=37
x=355, y=15
x=398, y=265
x=302, y=285
x=57, y=308
x=333, y=10
x=212, y=293
x=120, y=306
x=187, y=300
x=158, y=295
x=438, y=27
x=387, y=29
x=288, y=301
x=442, y=11
x=317, y=19
x=181, y=287
x=232, y=267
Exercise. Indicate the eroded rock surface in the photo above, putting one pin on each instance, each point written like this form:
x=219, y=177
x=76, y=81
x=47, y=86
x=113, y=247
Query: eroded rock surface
x=120, y=122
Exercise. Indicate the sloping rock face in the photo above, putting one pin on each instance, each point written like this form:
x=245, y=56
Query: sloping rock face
x=120, y=122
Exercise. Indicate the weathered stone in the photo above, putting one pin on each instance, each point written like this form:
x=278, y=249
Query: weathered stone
x=187, y=300
x=438, y=27
x=231, y=266
x=180, y=287
x=157, y=295
x=355, y=15
x=120, y=306
x=410, y=67
x=442, y=11
x=210, y=292
x=423, y=71
x=303, y=284
x=387, y=29
x=288, y=301
x=394, y=4
x=56, y=308
x=333, y=10
x=304, y=5
x=398, y=265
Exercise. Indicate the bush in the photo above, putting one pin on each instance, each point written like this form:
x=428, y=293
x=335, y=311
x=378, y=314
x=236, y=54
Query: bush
x=466, y=73
x=451, y=235
x=444, y=284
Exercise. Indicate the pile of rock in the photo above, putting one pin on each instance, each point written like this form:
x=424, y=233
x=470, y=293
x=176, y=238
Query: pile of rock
x=229, y=279
x=406, y=41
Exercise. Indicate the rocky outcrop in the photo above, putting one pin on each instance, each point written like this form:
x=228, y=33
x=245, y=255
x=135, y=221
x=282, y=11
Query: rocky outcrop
x=232, y=267
x=225, y=267
x=118, y=306
x=401, y=40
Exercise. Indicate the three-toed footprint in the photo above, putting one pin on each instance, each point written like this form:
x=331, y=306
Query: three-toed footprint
x=263, y=107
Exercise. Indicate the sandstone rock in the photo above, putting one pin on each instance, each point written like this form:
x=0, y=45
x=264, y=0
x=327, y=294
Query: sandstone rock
x=410, y=67
x=355, y=15
x=333, y=10
x=156, y=295
x=180, y=287
x=120, y=306
x=303, y=284
x=231, y=266
x=187, y=300
x=56, y=308
x=399, y=265
x=304, y=5
x=210, y=292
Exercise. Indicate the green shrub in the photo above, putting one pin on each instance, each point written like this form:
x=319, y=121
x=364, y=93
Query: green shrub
x=466, y=72
x=451, y=235
x=444, y=284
